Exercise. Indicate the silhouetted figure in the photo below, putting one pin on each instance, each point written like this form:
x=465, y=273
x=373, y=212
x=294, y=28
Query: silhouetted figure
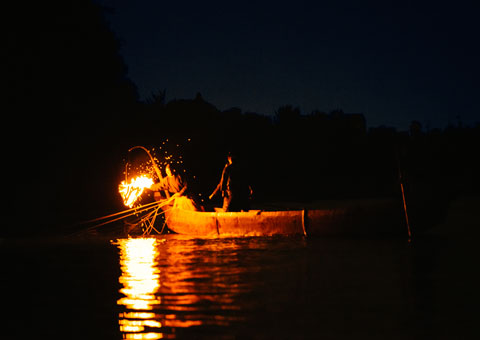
x=234, y=187
x=173, y=183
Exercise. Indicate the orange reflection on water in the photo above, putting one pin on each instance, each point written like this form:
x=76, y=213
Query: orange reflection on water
x=140, y=280
x=143, y=336
x=175, y=283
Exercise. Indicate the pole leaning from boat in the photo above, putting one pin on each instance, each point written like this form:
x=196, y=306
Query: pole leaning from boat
x=154, y=163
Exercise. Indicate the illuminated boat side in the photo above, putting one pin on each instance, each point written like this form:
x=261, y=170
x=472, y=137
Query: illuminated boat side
x=346, y=218
x=250, y=223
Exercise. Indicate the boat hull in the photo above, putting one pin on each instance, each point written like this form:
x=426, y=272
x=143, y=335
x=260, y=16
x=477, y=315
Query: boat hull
x=352, y=218
x=251, y=223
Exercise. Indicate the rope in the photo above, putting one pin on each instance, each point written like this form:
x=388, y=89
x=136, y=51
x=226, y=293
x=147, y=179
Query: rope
x=135, y=210
x=163, y=227
x=153, y=206
x=149, y=226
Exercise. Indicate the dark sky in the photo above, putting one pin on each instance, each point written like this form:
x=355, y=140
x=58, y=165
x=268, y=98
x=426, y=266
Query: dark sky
x=394, y=61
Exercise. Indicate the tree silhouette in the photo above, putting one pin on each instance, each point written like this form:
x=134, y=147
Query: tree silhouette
x=287, y=114
x=68, y=96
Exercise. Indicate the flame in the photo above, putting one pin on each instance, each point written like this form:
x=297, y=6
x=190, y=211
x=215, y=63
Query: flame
x=132, y=191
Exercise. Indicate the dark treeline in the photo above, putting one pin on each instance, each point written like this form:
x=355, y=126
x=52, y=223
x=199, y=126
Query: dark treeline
x=68, y=98
x=72, y=114
x=303, y=157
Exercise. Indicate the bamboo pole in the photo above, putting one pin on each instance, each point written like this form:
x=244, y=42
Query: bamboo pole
x=400, y=175
x=154, y=164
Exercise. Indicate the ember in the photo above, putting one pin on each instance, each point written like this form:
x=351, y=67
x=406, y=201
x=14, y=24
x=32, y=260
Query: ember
x=132, y=191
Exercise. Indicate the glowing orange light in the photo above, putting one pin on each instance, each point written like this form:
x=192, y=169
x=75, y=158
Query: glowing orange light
x=132, y=191
x=143, y=336
x=140, y=281
x=137, y=315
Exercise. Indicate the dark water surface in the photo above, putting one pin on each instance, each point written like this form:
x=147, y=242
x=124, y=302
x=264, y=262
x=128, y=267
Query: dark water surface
x=270, y=287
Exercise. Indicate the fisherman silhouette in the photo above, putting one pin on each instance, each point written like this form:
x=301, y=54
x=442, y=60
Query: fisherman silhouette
x=233, y=185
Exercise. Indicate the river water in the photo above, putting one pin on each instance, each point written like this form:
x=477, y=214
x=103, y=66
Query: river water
x=173, y=286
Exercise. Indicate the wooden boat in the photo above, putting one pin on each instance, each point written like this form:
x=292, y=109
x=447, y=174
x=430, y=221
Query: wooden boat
x=358, y=217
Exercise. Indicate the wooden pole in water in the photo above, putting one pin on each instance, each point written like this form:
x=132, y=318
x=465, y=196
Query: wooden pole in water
x=405, y=209
x=400, y=175
x=304, y=222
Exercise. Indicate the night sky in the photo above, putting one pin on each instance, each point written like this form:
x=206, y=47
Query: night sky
x=394, y=61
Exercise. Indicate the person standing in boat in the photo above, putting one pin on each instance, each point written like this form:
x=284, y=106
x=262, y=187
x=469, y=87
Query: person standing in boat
x=233, y=185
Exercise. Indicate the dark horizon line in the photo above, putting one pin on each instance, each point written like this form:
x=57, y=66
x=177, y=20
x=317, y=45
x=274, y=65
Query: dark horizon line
x=425, y=126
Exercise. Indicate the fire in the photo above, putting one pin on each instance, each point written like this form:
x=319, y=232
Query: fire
x=131, y=191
